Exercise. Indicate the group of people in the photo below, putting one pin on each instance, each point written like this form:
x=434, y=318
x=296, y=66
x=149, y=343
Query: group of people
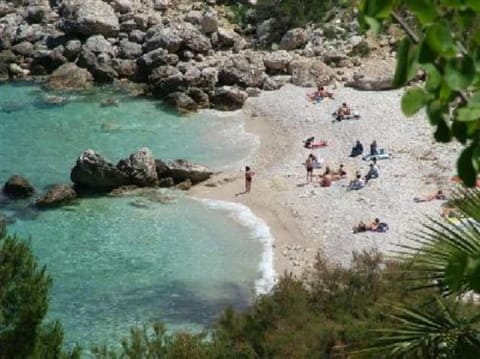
x=328, y=176
x=357, y=150
x=375, y=226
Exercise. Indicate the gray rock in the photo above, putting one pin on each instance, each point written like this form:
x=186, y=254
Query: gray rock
x=36, y=14
x=89, y=17
x=153, y=59
x=209, y=22
x=125, y=68
x=182, y=170
x=161, y=168
x=98, y=44
x=226, y=38
x=56, y=196
x=294, y=39
x=45, y=61
x=264, y=31
x=24, y=48
x=270, y=84
x=127, y=26
x=129, y=50
x=102, y=71
x=166, y=79
x=277, y=60
x=18, y=187
x=228, y=98
x=245, y=70
x=199, y=96
x=137, y=36
x=166, y=182
x=182, y=102
x=184, y=185
x=371, y=83
x=72, y=49
x=309, y=72
x=70, y=76
x=123, y=6
x=161, y=5
x=17, y=71
x=140, y=168
x=193, y=17
x=93, y=171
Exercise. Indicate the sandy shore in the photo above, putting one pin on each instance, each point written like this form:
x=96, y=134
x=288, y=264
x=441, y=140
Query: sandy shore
x=306, y=219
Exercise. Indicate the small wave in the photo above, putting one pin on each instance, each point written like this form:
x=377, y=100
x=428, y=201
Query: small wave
x=260, y=231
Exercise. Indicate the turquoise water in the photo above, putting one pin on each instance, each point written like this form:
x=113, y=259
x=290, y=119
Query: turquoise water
x=121, y=261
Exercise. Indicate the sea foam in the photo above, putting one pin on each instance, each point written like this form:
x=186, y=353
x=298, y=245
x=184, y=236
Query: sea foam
x=259, y=230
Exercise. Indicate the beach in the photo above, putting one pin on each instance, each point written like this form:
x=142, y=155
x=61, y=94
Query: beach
x=306, y=219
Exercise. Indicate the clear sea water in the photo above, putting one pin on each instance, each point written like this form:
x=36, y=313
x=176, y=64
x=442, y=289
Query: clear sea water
x=117, y=262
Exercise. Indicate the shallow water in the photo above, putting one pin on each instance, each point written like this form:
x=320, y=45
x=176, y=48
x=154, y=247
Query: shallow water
x=122, y=261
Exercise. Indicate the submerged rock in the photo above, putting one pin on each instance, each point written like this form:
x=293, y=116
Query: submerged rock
x=18, y=187
x=94, y=172
x=70, y=76
x=56, y=196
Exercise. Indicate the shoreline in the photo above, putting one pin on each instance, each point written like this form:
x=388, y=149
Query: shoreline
x=306, y=219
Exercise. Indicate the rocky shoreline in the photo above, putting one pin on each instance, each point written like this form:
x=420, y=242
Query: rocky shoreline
x=190, y=53
x=93, y=174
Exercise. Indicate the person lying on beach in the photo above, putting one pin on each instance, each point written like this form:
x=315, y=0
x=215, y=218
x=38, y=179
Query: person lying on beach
x=320, y=94
x=439, y=195
x=340, y=173
x=357, y=150
x=375, y=226
x=357, y=183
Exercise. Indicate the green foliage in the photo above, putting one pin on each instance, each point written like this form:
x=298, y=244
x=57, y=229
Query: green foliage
x=446, y=47
x=23, y=305
x=327, y=314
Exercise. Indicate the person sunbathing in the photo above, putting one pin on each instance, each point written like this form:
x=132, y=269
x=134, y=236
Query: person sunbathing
x=343, y=111
x=340, y=173
x=320, y=94
x=357, y=183
x=374, y=226
x=327, y=178
x=439, y=195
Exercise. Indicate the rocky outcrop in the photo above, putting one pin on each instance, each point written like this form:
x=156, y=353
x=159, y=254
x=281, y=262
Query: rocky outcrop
x=94, y=172
x=293, y=39
x=371, y=83
x=309, y=72
x=182, y=170
x=18, y=187
x=182, y=102
x=56, y=196
x=140, y=168
x=229, y=98
x=69, y=76
x=89, y=17
x=277, y=60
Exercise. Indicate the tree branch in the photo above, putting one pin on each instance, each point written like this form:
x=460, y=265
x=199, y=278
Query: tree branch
x=406, y=28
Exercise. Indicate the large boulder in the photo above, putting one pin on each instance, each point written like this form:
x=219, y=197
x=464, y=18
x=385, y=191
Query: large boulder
x=89, y=17
x=309, y=72
x=129, y=50
x=245, y=70
x=56, y=196
x=277, y=60
x=293, y=39
x=209, y=22
x=182, y=170
x=69, y=76
x=18, y=187
x=227, y=98
x=98, y=44
x=366, y=83
x=99, y=66
x=182, y=102
x=176, y=37
x=94, y=172
x=140, y=168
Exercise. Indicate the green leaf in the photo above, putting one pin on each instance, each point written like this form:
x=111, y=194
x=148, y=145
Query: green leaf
x=467, y=114
x=445, y=94
x=434, y=78
x=425, y=10
x=465, y=168
x=373, y=24
x=413, y=100
x=443, y=133
x=440, y=40
x=380, y=9
x=459, y=72
x=425, y=54
x=455, y=271
x=473, y=4
x=473, y=274
x=403, y=63
x=435, y=111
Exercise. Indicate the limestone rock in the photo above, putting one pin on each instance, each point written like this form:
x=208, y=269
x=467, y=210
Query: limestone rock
x=277, y=60
x=228, y=98
x=182, y=102
x=70, y=76
x=181, y=170
x=294, y=39
x=18, y=187
x=56, y=196
x=89, y=17
x=209, y=22
x=98, y=44
x=130, y=50
x=140, y=168
x=371, y=83
x=309, y=72
x=93, y=171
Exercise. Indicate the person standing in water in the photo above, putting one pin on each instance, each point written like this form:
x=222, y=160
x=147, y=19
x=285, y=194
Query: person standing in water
x=248, y=179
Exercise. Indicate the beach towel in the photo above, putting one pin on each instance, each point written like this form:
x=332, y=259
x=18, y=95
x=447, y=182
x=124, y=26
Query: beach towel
x=380, y=156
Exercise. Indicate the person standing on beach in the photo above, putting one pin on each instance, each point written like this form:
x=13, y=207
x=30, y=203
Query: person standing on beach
x=309, y=165
x=248, y=179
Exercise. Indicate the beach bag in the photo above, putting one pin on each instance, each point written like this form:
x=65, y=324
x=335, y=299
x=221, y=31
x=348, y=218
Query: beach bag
x=382, y=227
